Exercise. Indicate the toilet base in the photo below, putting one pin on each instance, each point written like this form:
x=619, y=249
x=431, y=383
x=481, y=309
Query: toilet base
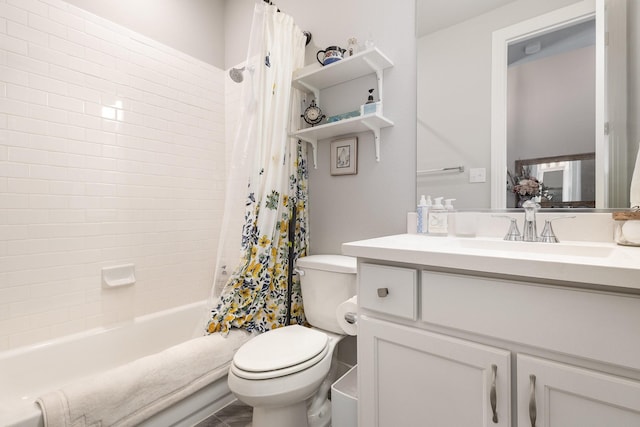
x=296, y=400
x=297, y=415
x=322, y=417
x=284, y=416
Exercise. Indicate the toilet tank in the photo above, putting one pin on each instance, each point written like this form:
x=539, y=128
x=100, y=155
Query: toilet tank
x=326, y=281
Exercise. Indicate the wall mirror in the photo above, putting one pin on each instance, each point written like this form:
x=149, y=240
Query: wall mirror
x=456, y=123
x=568, y=181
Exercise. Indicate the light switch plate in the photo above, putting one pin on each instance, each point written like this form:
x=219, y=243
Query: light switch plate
x=477, y=175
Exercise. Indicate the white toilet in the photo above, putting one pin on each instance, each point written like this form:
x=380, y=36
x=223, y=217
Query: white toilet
x=281, y=372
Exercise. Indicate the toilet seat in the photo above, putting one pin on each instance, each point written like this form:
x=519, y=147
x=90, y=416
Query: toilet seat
x=280, y=352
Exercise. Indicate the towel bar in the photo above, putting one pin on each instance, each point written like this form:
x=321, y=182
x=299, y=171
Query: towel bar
x=458, y=169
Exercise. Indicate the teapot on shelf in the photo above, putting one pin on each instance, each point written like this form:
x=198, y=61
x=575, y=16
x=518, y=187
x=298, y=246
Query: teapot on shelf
x=330, y=55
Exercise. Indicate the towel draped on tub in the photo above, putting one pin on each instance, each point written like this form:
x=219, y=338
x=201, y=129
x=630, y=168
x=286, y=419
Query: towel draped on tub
x=131, y=393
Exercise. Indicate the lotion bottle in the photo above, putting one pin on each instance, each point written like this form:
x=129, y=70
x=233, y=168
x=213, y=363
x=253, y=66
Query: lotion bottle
x=426, y=214
x=422, y=215
x=438, y=219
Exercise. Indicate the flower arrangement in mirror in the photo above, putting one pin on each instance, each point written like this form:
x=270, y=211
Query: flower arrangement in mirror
x=527, y=187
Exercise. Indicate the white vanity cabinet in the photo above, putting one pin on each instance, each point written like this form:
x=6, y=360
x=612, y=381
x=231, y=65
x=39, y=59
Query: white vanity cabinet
x=558, y=394
x=417, y=378
x=413, y=377
x=464, y=346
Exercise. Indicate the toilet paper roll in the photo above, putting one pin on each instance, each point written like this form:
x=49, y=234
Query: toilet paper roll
x=348, y=306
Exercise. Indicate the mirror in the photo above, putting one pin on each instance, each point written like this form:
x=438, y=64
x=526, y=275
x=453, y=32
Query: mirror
x=544, y=93
x=454, y=57
x=568, y=181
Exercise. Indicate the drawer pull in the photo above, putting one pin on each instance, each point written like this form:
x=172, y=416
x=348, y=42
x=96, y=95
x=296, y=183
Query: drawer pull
x=493, y=398
x=383, y=292
x=533, y=410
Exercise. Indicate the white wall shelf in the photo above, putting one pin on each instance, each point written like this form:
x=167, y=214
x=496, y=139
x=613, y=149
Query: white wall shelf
x=314, y=78
x=369, y=122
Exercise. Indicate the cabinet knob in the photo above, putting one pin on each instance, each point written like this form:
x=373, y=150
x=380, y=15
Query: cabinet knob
x=383, y=292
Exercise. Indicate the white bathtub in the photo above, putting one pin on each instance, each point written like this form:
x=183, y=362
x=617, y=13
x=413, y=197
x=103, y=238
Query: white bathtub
x=26, y=373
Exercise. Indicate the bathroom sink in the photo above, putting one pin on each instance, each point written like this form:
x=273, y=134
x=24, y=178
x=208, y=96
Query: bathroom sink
x=571, y=249
x=598, y=262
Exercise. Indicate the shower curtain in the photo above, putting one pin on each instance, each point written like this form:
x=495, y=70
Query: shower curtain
x=275, y=167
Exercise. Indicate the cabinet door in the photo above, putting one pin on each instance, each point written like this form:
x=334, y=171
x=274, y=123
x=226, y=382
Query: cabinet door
x=409, y=377
x=560, y=395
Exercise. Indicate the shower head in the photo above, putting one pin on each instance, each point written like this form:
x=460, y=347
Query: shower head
x=236, y=74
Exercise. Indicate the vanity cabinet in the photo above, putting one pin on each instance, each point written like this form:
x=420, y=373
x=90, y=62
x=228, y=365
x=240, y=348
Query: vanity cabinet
x=414, y=377
x=418, y=378
x=558, y=394
x=312, y=79
x=466, y=347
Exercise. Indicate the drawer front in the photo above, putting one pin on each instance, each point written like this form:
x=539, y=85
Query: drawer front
x=390, y=290
x=591, y=324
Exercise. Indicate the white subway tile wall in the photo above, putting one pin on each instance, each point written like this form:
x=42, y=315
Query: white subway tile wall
x=111, y=151
x=232, y=232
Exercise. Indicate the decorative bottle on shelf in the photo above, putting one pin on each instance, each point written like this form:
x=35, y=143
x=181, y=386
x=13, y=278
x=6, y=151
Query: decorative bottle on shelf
x=370, y=97
x=352, y=46
x=370, y=106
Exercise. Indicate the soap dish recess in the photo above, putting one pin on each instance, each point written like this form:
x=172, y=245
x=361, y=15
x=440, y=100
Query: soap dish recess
x=118, y=275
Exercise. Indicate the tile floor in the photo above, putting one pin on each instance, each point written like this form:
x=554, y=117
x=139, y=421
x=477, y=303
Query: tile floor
x=235, y=414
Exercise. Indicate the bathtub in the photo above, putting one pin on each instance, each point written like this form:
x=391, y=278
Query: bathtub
x=26, y=373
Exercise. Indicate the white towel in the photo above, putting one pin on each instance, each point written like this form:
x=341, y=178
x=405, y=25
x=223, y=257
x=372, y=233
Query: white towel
x=634, y=191
x=130, y=394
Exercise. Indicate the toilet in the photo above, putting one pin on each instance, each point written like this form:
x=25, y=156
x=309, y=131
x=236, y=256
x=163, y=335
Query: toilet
x=282, y=373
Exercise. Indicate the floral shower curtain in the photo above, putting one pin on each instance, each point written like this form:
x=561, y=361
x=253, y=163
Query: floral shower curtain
x=255, y=296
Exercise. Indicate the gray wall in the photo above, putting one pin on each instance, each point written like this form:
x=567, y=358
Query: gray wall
x=374, y=202
x=558, y=91
x=197, y=30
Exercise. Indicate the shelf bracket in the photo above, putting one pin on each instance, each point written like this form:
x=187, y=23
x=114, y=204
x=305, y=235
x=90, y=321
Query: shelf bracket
x=376, y=137
x=379, y=73
x=315, y=91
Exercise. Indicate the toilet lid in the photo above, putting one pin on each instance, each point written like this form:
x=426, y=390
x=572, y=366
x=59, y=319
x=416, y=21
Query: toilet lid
x=280, y=352
x=333, y=263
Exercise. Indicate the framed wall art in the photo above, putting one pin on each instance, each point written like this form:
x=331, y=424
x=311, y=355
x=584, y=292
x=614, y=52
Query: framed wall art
x=344, y=156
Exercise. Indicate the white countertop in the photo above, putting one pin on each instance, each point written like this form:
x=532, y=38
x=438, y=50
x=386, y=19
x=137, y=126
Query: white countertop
x=598, y=263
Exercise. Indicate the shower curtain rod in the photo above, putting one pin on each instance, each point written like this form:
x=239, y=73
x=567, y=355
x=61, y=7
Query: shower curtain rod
x=270, y=3
x=307, y=34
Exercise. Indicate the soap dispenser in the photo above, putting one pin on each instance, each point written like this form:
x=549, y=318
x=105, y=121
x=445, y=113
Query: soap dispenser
x=370, y=97
x=451, y=215
x=422, y=215
x=370, y=106
x=438, y=219
x=447, y=204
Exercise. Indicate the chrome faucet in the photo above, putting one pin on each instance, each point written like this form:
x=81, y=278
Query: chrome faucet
x=547, y=235
x=530, y=229
x=530, y=233
x=514, y=233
